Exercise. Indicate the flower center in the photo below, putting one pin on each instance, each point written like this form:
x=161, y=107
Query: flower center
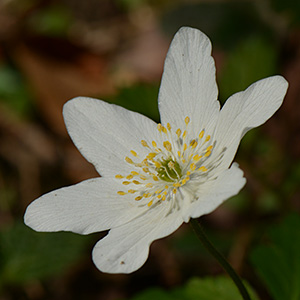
x=177, y=161
x=169, y=171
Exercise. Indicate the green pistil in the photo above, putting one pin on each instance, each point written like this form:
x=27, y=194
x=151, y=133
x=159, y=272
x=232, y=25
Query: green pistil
x=169, y=171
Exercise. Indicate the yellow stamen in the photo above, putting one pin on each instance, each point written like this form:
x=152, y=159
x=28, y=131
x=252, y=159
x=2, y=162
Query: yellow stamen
x=166, y=187
x=201, y=134
x=134, y=173
x=193, y=167
x=131, y=191
x=174, y=191
x=159, y=127
x=208, y=153
x=207, y=138
x=154, y=144
x=121, y=193
x=184, y=146
x=179, y=153
x=136, y=182
x=197, y=157
x=188, y=173
x=138, y=198
x=178, y=132
x=203, y=169
x=157, y=164
x=144, y=143
x=143, y=177
x=125, y=182
x=155, y=178
x=159, y=196
x=150, y=203
x=168, y=146
x=129, y=160
x=193, y=144
x=184, y=134
x=163, y=198
x=169, y=126
x=133, y=153
x=176, y=184
x=187, y=120
x=151, y=155
x=119, y=176
x=150, y=185
x=129, y=177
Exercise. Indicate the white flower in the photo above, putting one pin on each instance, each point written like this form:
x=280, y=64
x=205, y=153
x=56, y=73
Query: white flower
x=156, y=176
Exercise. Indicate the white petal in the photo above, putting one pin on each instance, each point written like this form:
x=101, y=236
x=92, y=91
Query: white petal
x=105, y=133
x=188, y=86
x=125, y=249
x=90, y=206
x=246, y=110
x=228, y=184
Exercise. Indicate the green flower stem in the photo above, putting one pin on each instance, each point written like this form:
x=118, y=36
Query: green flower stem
x=220, y=258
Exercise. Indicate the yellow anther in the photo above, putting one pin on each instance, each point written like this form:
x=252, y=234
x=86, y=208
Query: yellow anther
x=155, y=178
x=149, y=185
x=183, y=161
x=163, y=198
x=159, y=127
x=188, y=173
x=208, y=153
x=187, y=120
x=136, y=182
x=119, y=176
x=147, y=195
x=131, y=191
x=201, y=134
x=164, y=130
x=176, y=184
x=169, y=126
x=165, y=192
x=145, y=162
x=184, y=146
x=129, y=176
x=203, y=169
x=134, y=173
x=158, y=191
x=193, y=167
x=133, y=153
x=183, y=181
x=174, y=191
x=193, y=144
x=129, y=160
x=146, y=170
x=157, y=164
x=178, y=132
x=159, y=196
x=138, y=198
x=184, y=134
x=197, y=157
x=166, y=187
x=125, y=182
x=168, y=146
x=209, y=148
x=171, y=165
x=121, y=193
x=144, y=143
x=178, y=153
x=143, y=177
x=154, y=144
x=207, y=138
x=150, y=203
x=151, y=155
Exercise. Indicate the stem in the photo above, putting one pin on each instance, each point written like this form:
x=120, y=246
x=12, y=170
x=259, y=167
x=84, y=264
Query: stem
x=220, y=258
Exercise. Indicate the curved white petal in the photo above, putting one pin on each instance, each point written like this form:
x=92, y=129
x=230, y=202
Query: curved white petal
x=188, y=86
x=126, y=248
x=90, y=206
x=228, y=184
x=246, y=110
x=105, y=133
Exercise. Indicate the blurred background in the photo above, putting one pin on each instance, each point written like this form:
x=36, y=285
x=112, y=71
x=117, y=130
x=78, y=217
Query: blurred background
x=51, y=51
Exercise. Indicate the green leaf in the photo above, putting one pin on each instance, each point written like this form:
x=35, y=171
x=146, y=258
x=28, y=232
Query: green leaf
x=26, y=255
x=141, y=98
x=209, y=288
x=278, y=262
x=213, y=288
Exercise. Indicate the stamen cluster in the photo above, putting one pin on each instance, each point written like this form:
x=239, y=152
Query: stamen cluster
x=159, y=175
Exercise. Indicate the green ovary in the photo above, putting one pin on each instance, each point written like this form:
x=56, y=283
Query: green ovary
x=169, y=171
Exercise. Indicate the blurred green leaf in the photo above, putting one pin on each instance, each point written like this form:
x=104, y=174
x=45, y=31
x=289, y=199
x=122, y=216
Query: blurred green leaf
x=13, y=91
x=53, y=20
x=253, y=59
x=290, y=8
x=278, y=262
x=209, y=288
x=26, y=255
x=140, y=98
x=227, y=23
